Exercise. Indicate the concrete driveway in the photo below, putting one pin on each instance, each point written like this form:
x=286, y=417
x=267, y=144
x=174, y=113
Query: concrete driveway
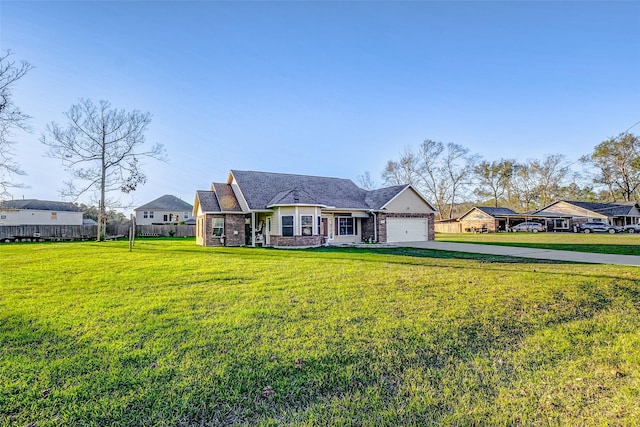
x=549, y=254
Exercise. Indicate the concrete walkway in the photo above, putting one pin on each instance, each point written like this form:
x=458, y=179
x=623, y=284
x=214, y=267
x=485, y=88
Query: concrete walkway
x=528, y=252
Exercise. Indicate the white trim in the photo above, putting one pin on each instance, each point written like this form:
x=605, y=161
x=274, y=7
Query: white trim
x=237, y=191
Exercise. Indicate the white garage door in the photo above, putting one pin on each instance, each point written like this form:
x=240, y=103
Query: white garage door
x=407, y=230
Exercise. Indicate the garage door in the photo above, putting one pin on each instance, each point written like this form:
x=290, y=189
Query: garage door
x=407, y=230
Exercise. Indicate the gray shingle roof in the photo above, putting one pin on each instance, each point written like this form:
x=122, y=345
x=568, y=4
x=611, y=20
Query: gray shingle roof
x=41, y=205
x=376, y=199
x=293, y=197
x=493, y=211
x=208, y=201
x=260, y=188
x=167, y=203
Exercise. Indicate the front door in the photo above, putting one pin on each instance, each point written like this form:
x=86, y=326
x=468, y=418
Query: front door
x=324, y=229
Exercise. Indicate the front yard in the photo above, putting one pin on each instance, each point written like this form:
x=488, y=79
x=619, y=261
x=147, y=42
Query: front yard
x=176, y=334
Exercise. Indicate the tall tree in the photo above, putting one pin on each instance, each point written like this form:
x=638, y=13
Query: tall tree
x=617, y=162
x=525, y=187
x=493, y=178
x=440, y=171
x=550, y=173
x=101, y=147
x=11, y=117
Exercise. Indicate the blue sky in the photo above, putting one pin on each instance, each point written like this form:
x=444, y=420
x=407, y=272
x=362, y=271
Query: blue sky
x=331, y=88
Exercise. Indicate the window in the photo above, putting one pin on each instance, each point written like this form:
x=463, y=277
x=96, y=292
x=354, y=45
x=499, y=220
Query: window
x=306, y=221
x=54, y=215
x=218, y=227
x=287, y=225
x=345, y=226
x=186, y=215
x=151, y=214
x=145, y=214
x=3, y=217
x=560, y=223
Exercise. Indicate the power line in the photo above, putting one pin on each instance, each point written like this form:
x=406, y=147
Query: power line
x=633, y=125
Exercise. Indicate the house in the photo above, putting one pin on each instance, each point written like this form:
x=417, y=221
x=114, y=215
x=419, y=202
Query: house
x=563, y=215
x=276, y=209
x=167, y=209
x=39, y=212
x=489, y=219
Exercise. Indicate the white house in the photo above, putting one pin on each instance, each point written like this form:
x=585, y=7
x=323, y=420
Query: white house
x=39, y=212
x=167, y=209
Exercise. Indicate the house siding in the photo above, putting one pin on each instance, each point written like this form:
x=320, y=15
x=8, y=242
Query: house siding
x=39, y=217
x=563, y=208
x=408, y=202
x=158, y=216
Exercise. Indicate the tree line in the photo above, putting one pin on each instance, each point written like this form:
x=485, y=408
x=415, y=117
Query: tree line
x=454, y=179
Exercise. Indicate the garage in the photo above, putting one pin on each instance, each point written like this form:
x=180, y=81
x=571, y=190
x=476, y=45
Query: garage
x=407, y=230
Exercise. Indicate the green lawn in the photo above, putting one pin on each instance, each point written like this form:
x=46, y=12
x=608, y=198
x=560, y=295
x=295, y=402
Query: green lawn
x=605, y=243
x=174, y=334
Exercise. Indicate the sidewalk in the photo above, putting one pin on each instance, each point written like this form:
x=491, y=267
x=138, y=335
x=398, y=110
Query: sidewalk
x=549, y=254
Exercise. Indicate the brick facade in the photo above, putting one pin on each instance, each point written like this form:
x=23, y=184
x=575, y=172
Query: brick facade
x=310, y=241
x=234, y=234
x=368, y=229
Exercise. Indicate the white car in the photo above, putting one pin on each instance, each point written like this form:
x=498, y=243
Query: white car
x=633, y=228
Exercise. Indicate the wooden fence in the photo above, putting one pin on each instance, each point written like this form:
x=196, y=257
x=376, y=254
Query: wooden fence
x=88, y=232
x=447, y=227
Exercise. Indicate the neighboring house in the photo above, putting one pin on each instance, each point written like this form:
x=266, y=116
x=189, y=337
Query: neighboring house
x=489, y=219
x=39, y=212
x=563, y=215
x=275, y=209
x=167, y=209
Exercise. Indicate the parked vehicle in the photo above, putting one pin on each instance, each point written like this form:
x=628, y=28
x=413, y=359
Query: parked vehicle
x=592, y=227
x=533, y=227
x=633, y=228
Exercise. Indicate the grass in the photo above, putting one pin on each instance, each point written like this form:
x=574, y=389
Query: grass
x=175, y=334
x=605, y=243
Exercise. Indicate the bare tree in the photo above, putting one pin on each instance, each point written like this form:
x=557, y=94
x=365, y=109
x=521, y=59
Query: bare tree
x=458, y=166
x=102, y=147
x=403, y=171
x=442, y=172
x=366, y=181
x=550, y=173
x=525, y=186
x=11, y=117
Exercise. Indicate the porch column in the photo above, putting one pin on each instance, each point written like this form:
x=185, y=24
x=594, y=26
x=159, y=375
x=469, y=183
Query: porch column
x=253, y=232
